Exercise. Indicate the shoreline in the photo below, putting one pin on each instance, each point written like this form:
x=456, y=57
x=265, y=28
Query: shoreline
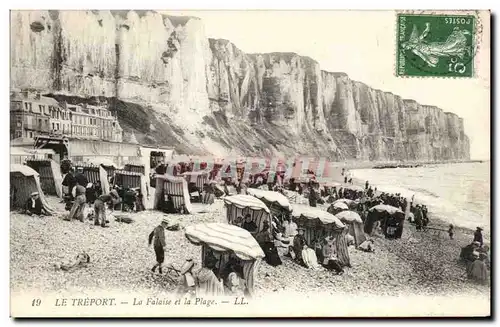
x=438, y=222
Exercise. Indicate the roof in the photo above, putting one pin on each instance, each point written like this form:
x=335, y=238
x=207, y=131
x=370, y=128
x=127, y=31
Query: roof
x=246, y=201
x=313, y=213
x=349, y=216
x=270, y=196
x=23, y=169
x=386, y=208
x=223, y=237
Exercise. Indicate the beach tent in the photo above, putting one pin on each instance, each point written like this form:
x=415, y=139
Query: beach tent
x=391, y=219
x=139, y=168
x=317, y=223
x=96, y=173
x=355, y=224
x=239, y=205
x=174, y=187
x=228, y=241
x=200, y=178
x=24, y=180
x=132, y=180
x=277, y=203
x=50, y=175
x=108, y=165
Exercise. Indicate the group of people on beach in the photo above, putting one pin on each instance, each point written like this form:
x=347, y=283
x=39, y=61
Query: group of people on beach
x=476, y=257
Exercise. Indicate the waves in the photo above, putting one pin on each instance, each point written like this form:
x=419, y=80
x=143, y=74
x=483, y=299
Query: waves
x=455, y=193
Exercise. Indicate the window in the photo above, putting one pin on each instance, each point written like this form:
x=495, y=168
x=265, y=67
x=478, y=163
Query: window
x=19, y=134
x=26, y=105
x=57, y=126
x=39, y=123
x=53, y=126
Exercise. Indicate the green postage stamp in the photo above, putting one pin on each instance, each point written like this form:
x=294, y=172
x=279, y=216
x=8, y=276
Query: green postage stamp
x=435, y=45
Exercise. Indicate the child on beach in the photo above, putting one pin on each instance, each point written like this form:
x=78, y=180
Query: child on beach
x=159, y=244
x=450, y=231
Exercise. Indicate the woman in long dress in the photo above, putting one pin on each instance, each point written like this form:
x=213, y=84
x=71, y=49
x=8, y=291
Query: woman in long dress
x=342, y=249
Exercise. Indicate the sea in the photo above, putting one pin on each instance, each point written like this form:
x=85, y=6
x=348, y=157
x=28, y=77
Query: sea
x=457, y=193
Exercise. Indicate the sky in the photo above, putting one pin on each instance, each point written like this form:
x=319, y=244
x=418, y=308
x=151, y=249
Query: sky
x=361, y=44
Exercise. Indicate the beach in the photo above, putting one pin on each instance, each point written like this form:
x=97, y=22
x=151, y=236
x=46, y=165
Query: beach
x=420, y=263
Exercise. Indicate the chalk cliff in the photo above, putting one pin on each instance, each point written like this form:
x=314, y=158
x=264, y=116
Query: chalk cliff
x=171, y=85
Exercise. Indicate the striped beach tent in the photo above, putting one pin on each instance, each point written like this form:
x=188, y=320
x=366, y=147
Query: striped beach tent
x=141, y=169
x=50, y=175
x=200, y=178
x=176, y=188
x=239, y=205
x=317, y=223
x=24, y=181
x=273, y=200
x=228, y=240
x=96, y=173
x=132, y=180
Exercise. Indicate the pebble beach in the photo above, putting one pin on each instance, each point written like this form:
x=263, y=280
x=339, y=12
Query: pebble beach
x=420, y=263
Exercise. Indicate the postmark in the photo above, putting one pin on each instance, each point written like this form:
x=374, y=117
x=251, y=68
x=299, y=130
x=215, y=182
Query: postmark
x=435, y=45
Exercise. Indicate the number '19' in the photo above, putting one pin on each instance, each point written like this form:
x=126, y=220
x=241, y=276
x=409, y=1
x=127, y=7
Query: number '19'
x=36, y=302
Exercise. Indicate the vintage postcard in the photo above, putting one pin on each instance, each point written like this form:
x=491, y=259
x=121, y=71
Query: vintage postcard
x=249, y=163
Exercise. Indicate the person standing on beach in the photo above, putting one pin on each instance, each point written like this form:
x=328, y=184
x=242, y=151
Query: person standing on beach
x=79, y=203
x=367, y=185
x=313, y=197
x=478, y=236
x=450, y=231
x=158, y=234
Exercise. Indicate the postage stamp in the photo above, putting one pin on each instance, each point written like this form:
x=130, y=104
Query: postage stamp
x=435, y=45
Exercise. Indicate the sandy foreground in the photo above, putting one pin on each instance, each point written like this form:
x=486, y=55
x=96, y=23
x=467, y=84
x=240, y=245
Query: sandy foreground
x=421, y=263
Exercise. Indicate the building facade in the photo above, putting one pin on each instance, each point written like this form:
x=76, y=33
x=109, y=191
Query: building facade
x=35, y=115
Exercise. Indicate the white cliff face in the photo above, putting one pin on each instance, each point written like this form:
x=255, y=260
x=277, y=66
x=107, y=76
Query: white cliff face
x=210, y=96
x=87, y=51
x=31, y=49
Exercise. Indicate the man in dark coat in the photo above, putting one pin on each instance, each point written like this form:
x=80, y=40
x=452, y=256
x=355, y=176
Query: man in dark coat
x=478, y=236
x=313, y=196
x=80, y=177
x=69, y=181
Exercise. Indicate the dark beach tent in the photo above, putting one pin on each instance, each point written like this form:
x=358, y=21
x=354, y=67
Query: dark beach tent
x=24, y=181
x=355, y=224
x=391, y=220
x=337, y=207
